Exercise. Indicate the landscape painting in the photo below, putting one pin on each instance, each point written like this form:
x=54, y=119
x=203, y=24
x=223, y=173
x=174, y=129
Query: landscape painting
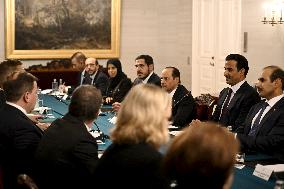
x=58, y=28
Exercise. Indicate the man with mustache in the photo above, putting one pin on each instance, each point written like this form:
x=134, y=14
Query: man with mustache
x=145, y=71
x=183, y=104
x=145, y=74
x=264, y=126
x=235, y=102
x=92, y=75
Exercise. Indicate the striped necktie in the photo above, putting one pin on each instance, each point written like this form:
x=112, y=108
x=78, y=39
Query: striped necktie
x=226, y=103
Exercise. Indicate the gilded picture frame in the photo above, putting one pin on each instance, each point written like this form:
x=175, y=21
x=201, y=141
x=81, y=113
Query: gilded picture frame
x=39, y=29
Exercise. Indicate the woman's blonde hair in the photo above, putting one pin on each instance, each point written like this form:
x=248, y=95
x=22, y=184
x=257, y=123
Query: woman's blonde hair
x=142, y=116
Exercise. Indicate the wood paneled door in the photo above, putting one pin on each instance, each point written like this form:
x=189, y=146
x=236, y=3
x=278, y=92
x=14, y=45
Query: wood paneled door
x=216, y=33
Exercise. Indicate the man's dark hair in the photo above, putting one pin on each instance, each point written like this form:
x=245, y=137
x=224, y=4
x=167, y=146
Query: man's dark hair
x=276, y=73
x=85, y=102
x=7, y=67
x=242, y=62
x=175, y=72
x=79, y=56
x=15, y=88
x=148, y=59
x=12, y=63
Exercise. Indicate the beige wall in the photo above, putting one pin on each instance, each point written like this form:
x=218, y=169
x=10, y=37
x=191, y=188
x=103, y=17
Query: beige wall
x=265, y=42
x=162, y=28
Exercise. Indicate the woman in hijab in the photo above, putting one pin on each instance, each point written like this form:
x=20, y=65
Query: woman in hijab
x=119, y=84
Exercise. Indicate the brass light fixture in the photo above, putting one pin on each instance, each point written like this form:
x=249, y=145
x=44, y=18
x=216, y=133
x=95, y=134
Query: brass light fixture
x=273, y=13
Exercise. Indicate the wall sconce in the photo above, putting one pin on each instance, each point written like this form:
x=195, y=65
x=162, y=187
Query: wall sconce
x=273, y=13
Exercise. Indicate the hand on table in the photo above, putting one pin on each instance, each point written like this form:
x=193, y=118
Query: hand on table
x=116, y=106
x=108, y=100
x=195, y=123
x=35, y=117
x=43, y=126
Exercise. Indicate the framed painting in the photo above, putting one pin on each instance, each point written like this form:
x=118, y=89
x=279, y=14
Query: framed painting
x=40, y=29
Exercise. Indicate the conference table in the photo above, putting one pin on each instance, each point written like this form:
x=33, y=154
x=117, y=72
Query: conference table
x=243, y=178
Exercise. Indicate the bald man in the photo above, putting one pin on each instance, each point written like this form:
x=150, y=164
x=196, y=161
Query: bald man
x=93, y=76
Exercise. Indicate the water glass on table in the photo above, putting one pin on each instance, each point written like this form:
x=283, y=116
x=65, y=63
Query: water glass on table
x=240, y=159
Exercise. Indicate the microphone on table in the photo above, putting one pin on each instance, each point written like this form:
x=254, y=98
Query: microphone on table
x=57, y=112
x=60, y=99
x=103, y=136
x=45, y=112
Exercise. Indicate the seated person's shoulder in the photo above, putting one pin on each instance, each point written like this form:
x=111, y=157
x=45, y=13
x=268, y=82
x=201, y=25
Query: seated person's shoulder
x=127, y=80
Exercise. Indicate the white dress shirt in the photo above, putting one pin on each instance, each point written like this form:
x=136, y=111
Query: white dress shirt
x=147, y=78
x=270, y=103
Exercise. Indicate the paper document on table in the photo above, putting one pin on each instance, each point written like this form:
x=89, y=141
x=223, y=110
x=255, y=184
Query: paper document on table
x=175, y=133
x=238, y=166
x=46, y=91
x=172, y=127
x=113, y=120
x=95, y=134
x=262, y=172
x=276, y=167
x=100, y=155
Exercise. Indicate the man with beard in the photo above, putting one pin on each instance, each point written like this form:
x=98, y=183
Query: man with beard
x=235, y=102
x=91, y=75
x=264, y=126
x=145, y=74
x=145, y=71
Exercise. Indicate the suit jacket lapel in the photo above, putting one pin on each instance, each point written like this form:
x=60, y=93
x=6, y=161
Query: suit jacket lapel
x=234, y=100
x=252, y=115
x=237, y=95
x=95, y=78
x=32, y=123
x=269, y=113
x=223, y=97
x=175, y=98
x=150, y=78
x=14, y=109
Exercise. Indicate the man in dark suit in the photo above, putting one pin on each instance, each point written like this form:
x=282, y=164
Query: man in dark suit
x=92, y=75
x=145, y=71
x=235, y=102
x=78, y=61
x=7, y=69
x=67, y=154
x=145, y=74
x=264, y=126
x=183, y=104
x=19, y=136
x=78, y=64
x=88, y=73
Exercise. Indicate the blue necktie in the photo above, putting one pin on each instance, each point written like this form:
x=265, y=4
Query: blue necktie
x=256, y=123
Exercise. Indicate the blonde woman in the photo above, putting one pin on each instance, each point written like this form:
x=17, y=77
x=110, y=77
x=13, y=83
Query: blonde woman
x=133, y=160
x=203, y=156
